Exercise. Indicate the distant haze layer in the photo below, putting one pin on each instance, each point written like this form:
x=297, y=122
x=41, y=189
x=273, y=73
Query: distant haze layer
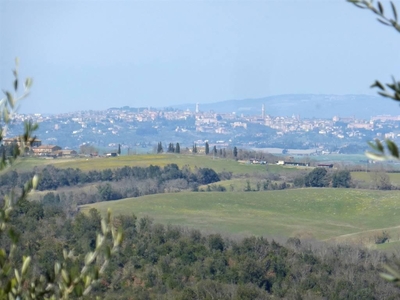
x=87, y=55
x=305, y=106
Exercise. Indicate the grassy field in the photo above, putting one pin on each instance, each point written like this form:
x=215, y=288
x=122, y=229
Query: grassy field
x=367, y=177
x=319, y=213
x=239, y=184
x=145, y=160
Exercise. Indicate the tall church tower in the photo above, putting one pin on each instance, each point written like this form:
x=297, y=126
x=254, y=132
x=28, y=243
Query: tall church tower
x=263, y=111
x=197, y=108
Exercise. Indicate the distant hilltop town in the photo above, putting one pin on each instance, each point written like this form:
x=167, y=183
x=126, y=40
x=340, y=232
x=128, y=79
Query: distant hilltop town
x=140, y=129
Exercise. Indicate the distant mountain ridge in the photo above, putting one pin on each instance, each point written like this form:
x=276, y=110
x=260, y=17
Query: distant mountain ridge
x=305, y=105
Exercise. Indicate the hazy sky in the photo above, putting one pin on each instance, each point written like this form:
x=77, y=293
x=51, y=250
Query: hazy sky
x=100, y=54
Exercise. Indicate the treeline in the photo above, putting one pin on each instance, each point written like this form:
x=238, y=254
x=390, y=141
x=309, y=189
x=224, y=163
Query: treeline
x=168, y=262
x=233, y=153
x=52, y=178
x=320, y=177
x=172, y=148
x=118, y=183
x=266, y=185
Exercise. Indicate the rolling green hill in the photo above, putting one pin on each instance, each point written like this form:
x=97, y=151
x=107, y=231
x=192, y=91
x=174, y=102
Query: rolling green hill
x=319, y=213
x=328, y=214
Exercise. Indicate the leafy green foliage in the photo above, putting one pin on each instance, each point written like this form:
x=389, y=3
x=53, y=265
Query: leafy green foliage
x=207, y=175
x=341, y=178
x=107, y=193
x=381, y=152
x=316, y=178
x=16, y=279
x=389, y=90
x=320, y=177
x=185, y=264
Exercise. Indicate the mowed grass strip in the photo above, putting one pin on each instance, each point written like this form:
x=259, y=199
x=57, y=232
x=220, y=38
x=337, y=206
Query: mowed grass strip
x=239, y=184
x=145, y=160
x=321, y=213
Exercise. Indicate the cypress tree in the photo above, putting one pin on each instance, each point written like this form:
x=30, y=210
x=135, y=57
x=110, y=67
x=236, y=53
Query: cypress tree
x=235, y=152
x=159, y=148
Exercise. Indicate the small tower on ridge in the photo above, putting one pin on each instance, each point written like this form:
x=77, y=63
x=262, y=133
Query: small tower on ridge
x=263, y=111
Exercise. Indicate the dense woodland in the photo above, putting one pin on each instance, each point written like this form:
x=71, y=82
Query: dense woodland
x=116, y=184
x=167, y=262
